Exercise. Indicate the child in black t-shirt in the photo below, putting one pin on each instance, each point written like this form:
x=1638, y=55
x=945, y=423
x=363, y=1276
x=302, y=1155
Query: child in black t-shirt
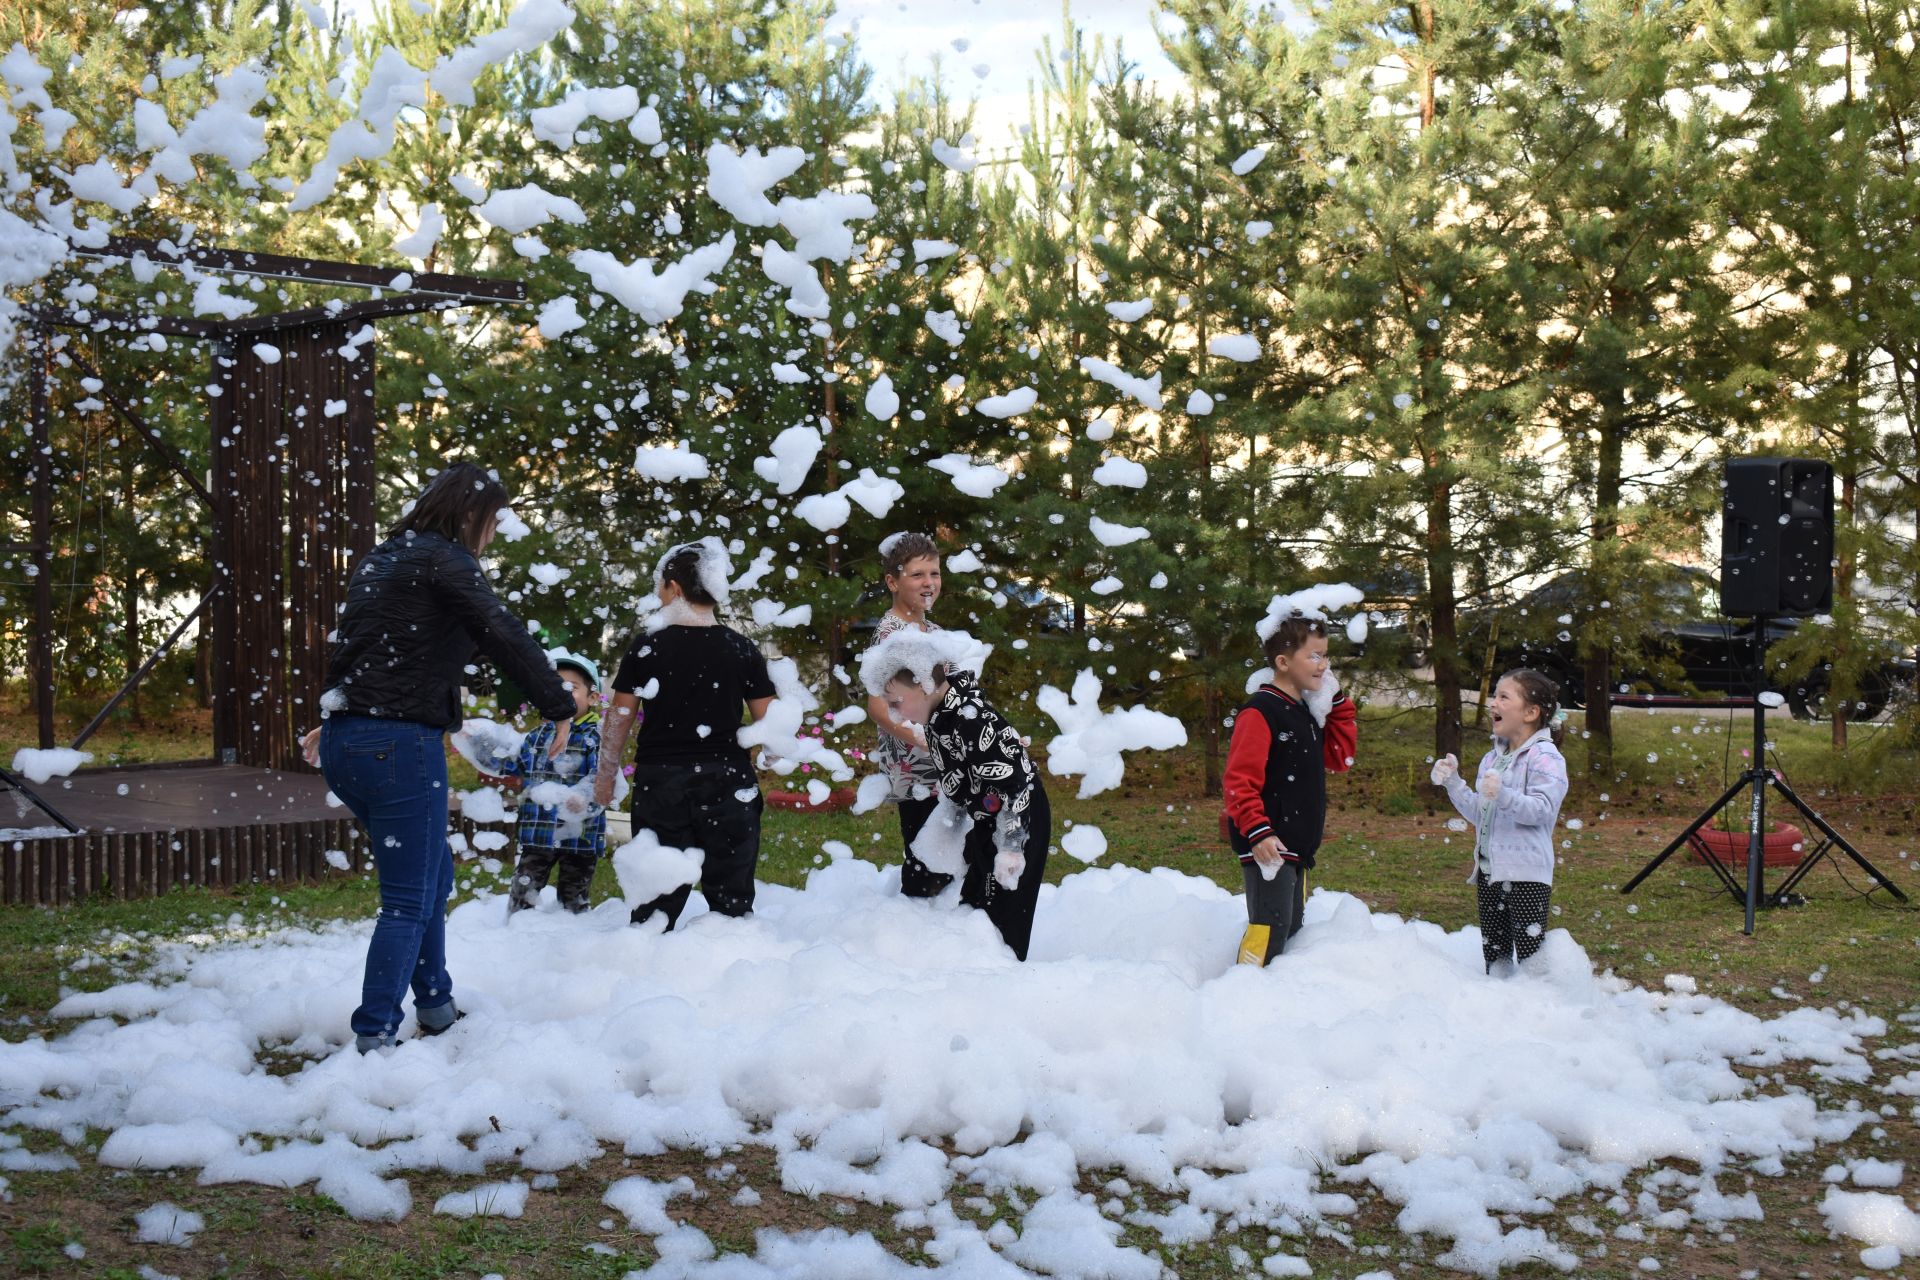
x=694, y=785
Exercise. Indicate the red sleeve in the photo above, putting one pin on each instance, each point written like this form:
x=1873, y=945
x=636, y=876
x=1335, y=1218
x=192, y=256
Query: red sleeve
x=1342, y=735
x=1246, y=774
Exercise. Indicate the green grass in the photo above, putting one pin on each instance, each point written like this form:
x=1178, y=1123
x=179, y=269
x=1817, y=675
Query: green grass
x=1388, y=844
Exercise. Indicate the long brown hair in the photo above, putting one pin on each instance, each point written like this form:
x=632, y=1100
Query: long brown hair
x=457, y=505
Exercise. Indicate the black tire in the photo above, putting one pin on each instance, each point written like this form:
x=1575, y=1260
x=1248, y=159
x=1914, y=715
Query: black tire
x=1866, y=705
x=1808, y=701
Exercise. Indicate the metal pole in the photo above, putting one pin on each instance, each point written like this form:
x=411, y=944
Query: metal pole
x=133, y=681
x=40, y=481
x=1757, y=806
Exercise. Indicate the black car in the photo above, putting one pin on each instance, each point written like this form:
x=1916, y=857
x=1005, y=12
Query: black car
x=1691, y=648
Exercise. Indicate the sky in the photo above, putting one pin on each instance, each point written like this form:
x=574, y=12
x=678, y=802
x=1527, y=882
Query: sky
x=1002, y=38
x=901, y=38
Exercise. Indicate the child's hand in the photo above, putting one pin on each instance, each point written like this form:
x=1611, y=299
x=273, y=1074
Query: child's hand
x=1008, y=866
x=310, y=747
x=1445, y=769
x=1268, y=852
x=1319, y=698
x=561, y=730
x=1490, y=786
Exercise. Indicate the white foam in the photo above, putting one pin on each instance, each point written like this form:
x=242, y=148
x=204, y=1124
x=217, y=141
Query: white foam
x=870, y=1031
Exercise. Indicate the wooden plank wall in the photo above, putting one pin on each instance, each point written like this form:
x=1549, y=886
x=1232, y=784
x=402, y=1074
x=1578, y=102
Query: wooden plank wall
x=293, y=490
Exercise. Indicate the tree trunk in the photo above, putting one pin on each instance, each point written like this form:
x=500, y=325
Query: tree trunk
x=1446, y=623
x=202, y=664
x=836, y=626
x=1423, y=23
x=130, y=592
x=1486, y=674
x=1210, y=740
x=1598, y=676
x=1448, y=677
x=1843, y=542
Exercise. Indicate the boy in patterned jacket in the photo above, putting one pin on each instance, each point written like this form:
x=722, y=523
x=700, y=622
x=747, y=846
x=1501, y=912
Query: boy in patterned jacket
x=985, y=775
x=560, y=827
x=1297, y=728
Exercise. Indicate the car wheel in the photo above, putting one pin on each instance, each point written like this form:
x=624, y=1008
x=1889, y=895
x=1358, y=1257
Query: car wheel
x=1868, y=705
x=1808, y=701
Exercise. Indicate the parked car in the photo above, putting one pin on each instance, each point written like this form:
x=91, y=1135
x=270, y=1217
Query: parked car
x=1691, y=648
x=1399, y=633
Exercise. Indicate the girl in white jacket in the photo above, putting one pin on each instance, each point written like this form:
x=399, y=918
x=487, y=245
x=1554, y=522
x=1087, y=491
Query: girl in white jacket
x=1514, y=806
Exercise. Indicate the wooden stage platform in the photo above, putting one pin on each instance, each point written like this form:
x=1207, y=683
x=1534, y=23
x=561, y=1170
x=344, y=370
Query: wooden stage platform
x=147, y=828
x=171, y=797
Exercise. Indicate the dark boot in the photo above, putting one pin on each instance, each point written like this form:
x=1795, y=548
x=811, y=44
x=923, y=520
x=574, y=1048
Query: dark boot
x=530, y=877
x=575, y=880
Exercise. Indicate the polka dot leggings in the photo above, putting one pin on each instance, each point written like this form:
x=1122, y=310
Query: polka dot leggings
x=1513, y=917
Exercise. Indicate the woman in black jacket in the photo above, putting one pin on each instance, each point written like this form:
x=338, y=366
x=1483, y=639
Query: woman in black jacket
x=418, y=609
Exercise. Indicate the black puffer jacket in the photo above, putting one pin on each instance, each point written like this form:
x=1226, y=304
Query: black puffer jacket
x=418, y=609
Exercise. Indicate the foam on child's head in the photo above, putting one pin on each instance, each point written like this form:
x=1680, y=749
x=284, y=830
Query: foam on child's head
x=921, y=653
x=1318, y=602
x=713, y=569
x=897, y=550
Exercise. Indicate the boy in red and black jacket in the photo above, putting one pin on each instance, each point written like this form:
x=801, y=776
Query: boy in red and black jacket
x=1286, y=739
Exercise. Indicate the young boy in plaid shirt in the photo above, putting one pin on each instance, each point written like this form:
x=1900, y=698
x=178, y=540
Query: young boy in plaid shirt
x=560, y=826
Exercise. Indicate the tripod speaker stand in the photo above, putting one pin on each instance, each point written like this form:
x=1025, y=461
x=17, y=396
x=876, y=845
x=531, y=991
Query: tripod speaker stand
x=1776, y=560
x=1756, y=780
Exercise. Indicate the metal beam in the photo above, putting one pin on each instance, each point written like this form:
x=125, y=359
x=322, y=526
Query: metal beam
x=97, y=321
x=133, y=681
x=12, y=783
x=310, y=317
x=274, y=266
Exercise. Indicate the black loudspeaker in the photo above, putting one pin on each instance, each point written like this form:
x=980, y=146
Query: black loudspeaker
x=1776, y=538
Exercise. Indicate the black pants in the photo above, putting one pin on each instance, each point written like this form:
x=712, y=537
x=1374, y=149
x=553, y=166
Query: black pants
x=1513, y=917
x=1279, y=903
x=1011, y=910
x=701, y=806
x=536, y=864
x=917, y=879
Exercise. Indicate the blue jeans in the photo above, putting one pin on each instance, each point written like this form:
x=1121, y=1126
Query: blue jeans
x=393, y=775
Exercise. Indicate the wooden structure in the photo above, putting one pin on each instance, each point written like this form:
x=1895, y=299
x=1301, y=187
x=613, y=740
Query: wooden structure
x=290, y=494
x=149, y=828
x=290, y=488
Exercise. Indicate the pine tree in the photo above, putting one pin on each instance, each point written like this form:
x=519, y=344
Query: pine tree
x=1204, y=210
x=1415, y=313
x=1042, y=313
x=1649, y=350
x=1829, y=222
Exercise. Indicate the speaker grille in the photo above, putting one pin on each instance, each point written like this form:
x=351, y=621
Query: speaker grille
x=1776, y=541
